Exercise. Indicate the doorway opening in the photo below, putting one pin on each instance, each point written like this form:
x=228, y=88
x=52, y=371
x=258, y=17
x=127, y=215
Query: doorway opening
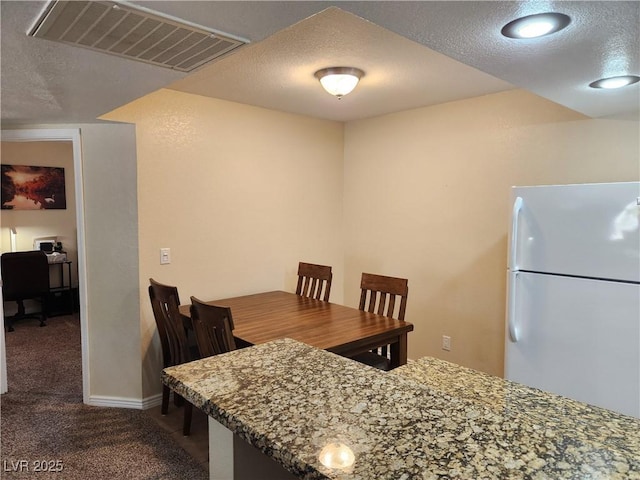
x=71, y=136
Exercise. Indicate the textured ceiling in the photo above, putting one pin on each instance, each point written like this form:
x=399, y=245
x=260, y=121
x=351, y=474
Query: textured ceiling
x=278, y=73
x=402, y=45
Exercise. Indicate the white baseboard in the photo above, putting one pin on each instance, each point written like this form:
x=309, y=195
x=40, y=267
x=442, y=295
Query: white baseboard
x=120, y=402
x=115, y=402
x=152, y=401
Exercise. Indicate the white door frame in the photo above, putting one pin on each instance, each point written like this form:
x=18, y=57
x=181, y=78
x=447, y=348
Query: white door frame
x=61, y=135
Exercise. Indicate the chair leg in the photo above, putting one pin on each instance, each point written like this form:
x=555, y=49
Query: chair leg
x=188, y=411
x=21, y=310
x=43, y=314
x=165, y=400
x=8, y=324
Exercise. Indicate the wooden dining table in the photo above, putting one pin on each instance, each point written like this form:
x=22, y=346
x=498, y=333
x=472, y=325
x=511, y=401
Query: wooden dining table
x=346, y=331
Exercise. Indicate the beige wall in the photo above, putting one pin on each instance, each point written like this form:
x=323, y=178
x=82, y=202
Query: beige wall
x=31, y=224
x=426, y=197
x=240, y=194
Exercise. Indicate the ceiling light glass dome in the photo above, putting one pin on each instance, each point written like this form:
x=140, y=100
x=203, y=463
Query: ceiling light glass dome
x=339, y=81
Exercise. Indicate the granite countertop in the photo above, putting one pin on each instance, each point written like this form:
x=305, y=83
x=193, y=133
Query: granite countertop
x=512, y=399
x=427, y=420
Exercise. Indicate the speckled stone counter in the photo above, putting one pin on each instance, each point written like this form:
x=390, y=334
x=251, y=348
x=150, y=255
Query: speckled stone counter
x=427, y=420
x=514, y=399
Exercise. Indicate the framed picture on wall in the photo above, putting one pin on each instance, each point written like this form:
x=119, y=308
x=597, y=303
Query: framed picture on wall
x=32, y=188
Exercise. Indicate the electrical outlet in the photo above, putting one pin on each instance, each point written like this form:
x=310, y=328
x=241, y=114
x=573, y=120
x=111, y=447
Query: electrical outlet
x=446, y=343
x=165, y=256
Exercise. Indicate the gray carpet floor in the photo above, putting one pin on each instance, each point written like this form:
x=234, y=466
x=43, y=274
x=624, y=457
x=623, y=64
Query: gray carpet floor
x=43, y=422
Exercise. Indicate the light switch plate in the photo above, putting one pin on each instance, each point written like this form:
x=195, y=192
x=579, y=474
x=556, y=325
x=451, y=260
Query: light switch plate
x=165, y=256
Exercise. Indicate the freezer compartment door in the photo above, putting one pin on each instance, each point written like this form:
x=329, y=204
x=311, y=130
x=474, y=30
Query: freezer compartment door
x=589, y=230
x=577, y=337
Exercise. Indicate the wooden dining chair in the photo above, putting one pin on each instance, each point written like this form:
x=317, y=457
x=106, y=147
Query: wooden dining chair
x=213, y=326
x=173, y=338
x=386, y=296
x=314, y=281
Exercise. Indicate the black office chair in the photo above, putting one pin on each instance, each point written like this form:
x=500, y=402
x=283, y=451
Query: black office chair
x=25, y=276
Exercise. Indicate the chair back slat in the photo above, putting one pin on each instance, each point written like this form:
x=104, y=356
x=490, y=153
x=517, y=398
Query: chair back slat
x=391, y=306
x=213, y=326
x=384, y=302
x=314, y=281
x=363, y=300
x=314, y=288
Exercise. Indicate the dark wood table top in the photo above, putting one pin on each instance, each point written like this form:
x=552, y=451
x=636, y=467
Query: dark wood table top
x=264, y=317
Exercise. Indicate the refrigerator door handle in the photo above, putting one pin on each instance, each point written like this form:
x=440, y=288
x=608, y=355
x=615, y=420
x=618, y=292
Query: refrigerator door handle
x=515, y=217
x=511, y=308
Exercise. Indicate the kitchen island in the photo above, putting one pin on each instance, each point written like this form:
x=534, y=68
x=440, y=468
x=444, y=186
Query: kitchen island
x=317, y=415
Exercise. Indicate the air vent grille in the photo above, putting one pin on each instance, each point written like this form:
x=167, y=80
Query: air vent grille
x=121, y=30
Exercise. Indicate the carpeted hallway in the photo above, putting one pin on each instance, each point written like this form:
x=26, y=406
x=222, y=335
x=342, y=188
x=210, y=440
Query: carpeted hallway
x=43, y=422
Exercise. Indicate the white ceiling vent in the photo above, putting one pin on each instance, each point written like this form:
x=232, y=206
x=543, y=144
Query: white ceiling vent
x=120, y=29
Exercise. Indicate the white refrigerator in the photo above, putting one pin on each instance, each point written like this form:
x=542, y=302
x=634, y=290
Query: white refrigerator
x=573, y=300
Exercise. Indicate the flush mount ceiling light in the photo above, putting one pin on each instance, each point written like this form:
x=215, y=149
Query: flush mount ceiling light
x=538, y=25
x=339, y=81
x=615, y=82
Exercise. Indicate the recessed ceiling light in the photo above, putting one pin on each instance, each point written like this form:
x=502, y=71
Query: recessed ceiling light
x=538, y=25
x=615, y=82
